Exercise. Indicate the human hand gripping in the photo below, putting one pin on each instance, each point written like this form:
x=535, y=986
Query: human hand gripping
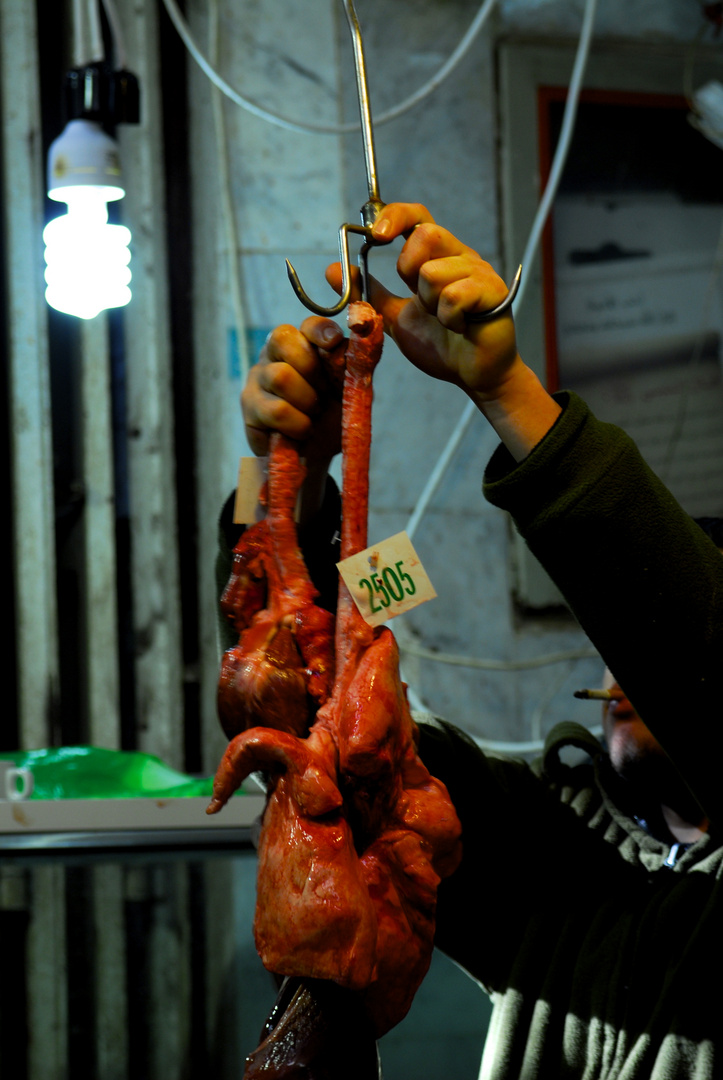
x=289, y=390
x=449, y=282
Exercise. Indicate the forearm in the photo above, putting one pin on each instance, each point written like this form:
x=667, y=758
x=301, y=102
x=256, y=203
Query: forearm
x=521, y=411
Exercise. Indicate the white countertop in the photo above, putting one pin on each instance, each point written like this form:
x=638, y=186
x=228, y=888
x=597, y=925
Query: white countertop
x=94, y=815
x=41, y=824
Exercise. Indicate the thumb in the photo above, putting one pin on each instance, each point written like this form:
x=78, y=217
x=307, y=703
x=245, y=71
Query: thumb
x=387, y=303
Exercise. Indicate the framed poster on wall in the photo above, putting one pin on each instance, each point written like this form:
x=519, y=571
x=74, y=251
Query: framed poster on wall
x=631, y=276
x=675, y=420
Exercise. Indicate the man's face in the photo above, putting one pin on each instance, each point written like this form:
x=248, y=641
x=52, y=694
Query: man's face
x=637, y=756
x=630, y=743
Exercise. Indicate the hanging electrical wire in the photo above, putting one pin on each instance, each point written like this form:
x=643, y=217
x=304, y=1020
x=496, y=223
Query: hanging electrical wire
x=443, y=73
x=483, y=664
x=87, y=34
x=227, y=207
x=116, y=32
x=447, y=455
x=532, y=746
x=272, y=117
x=558, y=164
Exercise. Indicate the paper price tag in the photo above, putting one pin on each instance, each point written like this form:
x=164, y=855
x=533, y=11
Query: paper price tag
x=387, y=579
x=251, y=478
x=252, y=475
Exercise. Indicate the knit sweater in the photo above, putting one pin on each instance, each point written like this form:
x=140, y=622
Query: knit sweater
x=599, y=943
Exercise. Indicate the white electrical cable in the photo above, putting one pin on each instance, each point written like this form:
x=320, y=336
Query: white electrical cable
x=544, y=700
x=561, y=151
x=422, y=715
x=470, y=409
x=227, y=206
x=78, y=43
x=446, y=69
x=116, y=31
x=484, y=664
x=534, y=746
x=327, y=129
x=87, y=35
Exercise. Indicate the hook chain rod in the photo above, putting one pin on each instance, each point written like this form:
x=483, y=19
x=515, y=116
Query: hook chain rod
x=373, y=207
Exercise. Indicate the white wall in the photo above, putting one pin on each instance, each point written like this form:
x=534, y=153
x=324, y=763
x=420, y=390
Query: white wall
x=291, y=191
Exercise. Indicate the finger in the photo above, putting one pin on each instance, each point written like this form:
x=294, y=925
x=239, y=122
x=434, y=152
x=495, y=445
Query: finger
x=456, y=287
x=258, y=440
x=399, y=219
x=387, y=303
x=286, y=344
x=283, y=381
x=322, y=332
x=298, y=349
x=281, y=391
x=334, y=277
x=426, y=244
x=268, y=412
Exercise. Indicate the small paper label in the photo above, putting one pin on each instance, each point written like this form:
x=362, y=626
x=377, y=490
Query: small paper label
x=387, y=579
x=251, y=478
x=252, y=475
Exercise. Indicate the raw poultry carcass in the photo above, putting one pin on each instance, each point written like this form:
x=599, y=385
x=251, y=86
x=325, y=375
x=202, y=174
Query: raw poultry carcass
x=282, y=668
x=356, y=835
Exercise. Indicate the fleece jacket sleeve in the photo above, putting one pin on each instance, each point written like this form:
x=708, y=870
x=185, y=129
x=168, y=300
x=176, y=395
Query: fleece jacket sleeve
x=644, y=581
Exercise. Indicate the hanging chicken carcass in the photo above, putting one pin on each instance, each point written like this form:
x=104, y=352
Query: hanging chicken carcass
x=356, y=835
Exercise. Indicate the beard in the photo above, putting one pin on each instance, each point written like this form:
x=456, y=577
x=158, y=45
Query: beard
x=652, y=780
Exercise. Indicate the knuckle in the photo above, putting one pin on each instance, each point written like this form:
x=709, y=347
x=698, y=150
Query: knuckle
x=279, y=377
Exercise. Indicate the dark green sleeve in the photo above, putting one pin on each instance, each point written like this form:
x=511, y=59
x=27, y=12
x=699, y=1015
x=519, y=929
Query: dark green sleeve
x=644, y=581
x=524, y=854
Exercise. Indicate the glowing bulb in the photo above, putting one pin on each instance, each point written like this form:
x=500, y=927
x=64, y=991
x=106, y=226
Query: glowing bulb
x=87, y=257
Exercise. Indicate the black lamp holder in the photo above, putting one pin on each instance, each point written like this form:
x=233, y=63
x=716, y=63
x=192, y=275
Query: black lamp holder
x=95, y=92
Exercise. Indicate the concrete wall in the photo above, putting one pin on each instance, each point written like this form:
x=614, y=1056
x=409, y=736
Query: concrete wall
x=289, y=192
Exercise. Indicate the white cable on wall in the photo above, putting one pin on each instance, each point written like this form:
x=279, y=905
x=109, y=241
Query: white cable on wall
x=484, y=664
x=534, y=746
x=561, y=151
x=227, y=206
x=470, y=409
x=116, y=30
x=422, y=715
x=326, y=129
x=87, y=35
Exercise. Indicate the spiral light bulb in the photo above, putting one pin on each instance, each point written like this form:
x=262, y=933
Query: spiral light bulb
x=87, y=258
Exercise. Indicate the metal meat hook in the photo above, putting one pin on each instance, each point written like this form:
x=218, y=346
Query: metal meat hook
x=372, y=207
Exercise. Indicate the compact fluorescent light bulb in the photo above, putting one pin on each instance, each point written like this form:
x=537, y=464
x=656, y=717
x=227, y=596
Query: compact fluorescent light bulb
x=87, y=257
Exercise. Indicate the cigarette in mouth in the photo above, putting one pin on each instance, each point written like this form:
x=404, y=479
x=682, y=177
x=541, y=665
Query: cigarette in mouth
x=598, y=695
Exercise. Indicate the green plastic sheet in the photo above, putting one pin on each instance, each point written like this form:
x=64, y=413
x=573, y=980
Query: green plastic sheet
x=88, y=772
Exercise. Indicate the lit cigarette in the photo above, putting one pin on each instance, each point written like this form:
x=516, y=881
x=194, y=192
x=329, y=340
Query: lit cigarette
x=599, y=695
